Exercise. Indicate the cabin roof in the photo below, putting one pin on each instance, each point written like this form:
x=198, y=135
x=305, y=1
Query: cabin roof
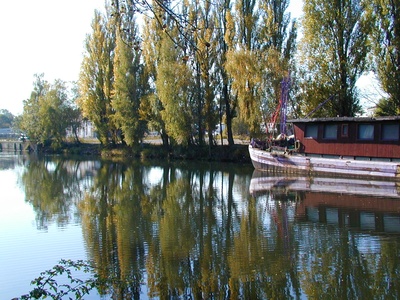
x=345, y=119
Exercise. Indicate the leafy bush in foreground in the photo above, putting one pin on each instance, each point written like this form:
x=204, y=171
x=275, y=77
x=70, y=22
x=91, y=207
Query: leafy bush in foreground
x=47, y=285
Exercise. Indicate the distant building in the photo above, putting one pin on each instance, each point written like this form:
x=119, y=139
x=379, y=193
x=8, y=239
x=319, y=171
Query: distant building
x=8, y=133
x=369, y=111
x=86, y=130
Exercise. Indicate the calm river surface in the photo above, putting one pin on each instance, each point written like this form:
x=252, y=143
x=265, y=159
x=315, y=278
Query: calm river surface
x=198, y=230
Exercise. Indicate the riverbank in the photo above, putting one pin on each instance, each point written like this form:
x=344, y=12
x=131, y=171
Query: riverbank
x=153, y=149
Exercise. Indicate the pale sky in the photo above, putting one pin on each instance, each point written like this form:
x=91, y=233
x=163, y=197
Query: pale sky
x=41, y=36
x=44, y=36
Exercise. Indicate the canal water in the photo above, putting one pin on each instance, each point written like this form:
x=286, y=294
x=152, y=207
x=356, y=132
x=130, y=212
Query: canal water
x=181, y=230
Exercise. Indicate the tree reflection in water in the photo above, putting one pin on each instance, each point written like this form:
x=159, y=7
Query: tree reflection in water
x=181, y=230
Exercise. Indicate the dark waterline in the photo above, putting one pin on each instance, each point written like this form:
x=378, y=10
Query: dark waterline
x=198, y=230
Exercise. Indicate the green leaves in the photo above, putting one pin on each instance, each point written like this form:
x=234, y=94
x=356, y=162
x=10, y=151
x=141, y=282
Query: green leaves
x=49, y=283
x=334, y=49
x=96, y=77
x=128, y=92
x=6, y=118
x=45, y=118
x=385, y=43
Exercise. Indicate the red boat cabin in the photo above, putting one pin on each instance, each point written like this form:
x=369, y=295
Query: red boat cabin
x=358, y=138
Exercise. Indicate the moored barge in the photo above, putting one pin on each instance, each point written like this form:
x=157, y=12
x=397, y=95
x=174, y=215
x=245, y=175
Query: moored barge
x=349, y=146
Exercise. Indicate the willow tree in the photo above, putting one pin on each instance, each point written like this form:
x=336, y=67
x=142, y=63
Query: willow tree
x=96, y=78
x=52, y=113
x=243, y=63
x=262, y=48
x=30, y=116
x=277, y=39
x=334, y=47
x=386, y=50
x=46, y=116
x=245, y=69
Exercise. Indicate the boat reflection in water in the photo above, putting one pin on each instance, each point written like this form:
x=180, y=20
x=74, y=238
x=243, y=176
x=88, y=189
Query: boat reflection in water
x=371, y=205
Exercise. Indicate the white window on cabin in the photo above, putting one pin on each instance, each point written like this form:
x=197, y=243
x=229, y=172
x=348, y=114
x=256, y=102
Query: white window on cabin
x=330, y=131
x=311, y=131
x=390, y=132
x=366, y=131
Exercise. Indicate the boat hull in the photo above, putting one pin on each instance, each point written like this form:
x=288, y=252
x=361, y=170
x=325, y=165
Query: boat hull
x=296, y=163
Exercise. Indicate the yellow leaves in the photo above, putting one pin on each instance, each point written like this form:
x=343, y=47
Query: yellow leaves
x=243, y=66
x=230, y=29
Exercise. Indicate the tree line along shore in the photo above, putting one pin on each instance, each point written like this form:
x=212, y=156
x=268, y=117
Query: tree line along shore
x=150, y=149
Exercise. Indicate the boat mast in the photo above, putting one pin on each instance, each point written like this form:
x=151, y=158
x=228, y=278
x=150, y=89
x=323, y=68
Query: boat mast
x=285, y=86
x=281, y=109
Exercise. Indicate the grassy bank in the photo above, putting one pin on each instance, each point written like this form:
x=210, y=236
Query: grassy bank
x=150, y=150
x=236, y=153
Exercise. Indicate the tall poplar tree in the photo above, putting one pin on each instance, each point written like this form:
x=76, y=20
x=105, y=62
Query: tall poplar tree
x=129, y=88
x=386, y=51
x=96, y=78
x=173, y=87
x=152, y=107
x=334, y=48
x=228, y=103
x=187, y=24
x=203, y=46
